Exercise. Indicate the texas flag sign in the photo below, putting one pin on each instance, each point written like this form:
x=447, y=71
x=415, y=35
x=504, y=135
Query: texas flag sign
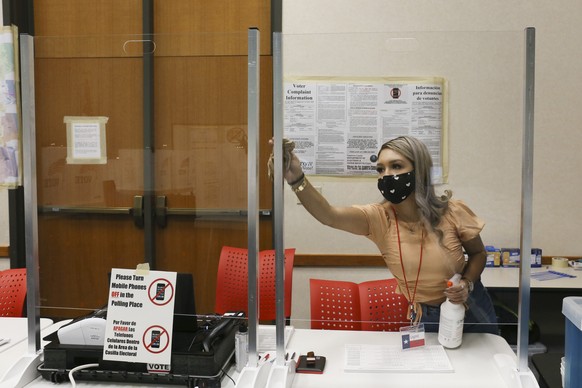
x=412, y=340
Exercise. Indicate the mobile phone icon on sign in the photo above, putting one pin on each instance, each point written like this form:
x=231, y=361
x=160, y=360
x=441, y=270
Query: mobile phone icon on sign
x=156, y=339
x=160, y=291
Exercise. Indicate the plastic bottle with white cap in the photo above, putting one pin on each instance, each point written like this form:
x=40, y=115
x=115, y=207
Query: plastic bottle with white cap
x=241, y=347
x=451, y=319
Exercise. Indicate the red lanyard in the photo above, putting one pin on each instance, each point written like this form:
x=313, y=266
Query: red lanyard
x=410, y=299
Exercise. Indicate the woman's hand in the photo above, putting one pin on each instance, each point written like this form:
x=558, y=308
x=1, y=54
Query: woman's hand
x=294, y=172
x=291, y=162
x=347, y=218
x=458, y=294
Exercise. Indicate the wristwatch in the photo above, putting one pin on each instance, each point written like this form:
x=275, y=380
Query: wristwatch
x=470, y=284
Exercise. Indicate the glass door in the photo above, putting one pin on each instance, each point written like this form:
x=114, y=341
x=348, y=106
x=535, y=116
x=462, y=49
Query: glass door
x=141, y=142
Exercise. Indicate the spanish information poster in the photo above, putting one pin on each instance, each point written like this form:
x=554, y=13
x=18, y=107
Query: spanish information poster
x=338, y=124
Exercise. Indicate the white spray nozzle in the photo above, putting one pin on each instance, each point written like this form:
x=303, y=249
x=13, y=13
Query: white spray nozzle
x=454, y=280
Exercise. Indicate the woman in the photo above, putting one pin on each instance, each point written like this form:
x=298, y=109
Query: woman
x=420, y=235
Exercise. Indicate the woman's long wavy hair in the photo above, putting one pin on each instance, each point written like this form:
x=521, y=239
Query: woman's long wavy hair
x=431, y=206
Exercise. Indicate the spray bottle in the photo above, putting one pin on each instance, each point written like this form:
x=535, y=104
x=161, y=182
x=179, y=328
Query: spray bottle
x=451, y=319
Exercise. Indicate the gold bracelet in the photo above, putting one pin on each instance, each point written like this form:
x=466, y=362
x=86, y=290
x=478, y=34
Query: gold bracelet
x=301, y=186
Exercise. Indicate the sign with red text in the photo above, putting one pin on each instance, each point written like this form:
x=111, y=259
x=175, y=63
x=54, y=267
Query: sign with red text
x=140, y=315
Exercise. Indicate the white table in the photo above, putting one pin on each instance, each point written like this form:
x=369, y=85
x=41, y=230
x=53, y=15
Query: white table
x=17, y=349
x=475, y=363
x=546, y=298
x=508, y=277
x=16, y=329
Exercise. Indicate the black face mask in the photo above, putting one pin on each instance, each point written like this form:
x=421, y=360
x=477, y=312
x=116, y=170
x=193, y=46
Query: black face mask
x=396, y=188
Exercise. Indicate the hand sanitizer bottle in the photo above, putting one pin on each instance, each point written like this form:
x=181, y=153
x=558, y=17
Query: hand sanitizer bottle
x=451, y=320
x=241, y=347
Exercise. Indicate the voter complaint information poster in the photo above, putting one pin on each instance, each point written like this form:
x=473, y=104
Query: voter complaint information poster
x=337, y=123
x=140, y=315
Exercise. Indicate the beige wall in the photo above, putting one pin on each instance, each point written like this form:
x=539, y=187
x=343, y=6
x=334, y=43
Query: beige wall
x=485, y=105
x=485, y=134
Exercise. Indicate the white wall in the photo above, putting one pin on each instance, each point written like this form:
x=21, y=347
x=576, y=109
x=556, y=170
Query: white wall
x=485, y=133
x=485, y=138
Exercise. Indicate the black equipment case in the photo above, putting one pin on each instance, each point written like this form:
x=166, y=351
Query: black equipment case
x=191, y=366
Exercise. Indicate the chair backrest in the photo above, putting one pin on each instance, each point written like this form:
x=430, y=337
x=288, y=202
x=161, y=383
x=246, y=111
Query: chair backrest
x=335, y=305
x=232, y=282
x=12, y=292
x=382, y=309
x=267, y=296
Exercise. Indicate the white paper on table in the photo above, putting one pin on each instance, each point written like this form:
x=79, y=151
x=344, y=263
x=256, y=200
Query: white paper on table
x=382, y=358
x=267, y=340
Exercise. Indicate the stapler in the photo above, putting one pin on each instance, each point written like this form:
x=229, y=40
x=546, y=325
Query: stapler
x=310, y=363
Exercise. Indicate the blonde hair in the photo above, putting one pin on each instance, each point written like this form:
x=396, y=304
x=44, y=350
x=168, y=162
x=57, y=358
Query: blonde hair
x=430, y=205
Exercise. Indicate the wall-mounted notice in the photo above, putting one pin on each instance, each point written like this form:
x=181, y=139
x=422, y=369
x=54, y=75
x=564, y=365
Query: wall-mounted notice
x=337, y=124
x=140, y=315
x=86, y=142
x=10, y=134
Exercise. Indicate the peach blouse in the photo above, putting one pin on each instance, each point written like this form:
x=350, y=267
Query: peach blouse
x=440, y=260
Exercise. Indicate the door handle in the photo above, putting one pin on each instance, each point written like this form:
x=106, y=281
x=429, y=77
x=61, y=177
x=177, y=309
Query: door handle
x=161, y=211
x=137, y=211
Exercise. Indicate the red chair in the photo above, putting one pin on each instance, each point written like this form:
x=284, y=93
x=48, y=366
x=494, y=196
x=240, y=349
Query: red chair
x=12, y=292
x=335, y=305
x=232, y=282
x=382, y=309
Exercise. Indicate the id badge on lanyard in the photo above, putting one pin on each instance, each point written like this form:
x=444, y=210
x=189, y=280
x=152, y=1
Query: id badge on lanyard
x=412, y=336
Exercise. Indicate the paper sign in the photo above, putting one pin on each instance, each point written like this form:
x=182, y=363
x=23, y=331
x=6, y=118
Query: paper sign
x=86, y=143
x=140, y=315
x=10, y=131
